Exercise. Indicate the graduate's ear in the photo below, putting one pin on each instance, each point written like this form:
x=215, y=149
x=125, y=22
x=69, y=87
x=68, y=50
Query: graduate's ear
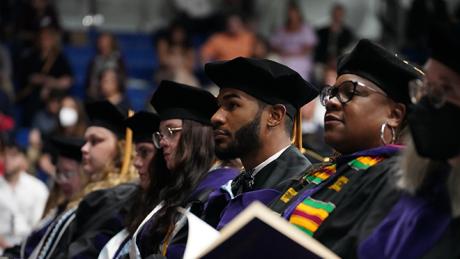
x=397, y=115
x=276, y=114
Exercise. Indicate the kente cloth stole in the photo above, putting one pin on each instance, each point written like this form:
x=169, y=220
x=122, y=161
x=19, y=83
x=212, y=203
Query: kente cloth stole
x=311, y=213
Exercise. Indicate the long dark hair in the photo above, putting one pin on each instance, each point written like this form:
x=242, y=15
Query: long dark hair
x=194, y=158
x=145, y=200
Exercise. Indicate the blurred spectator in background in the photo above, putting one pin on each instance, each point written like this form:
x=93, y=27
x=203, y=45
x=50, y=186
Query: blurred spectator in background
x=313, y=122
x=235, y=41
x=6, y=85
x=423, y=14
x=44, y=124
x=6, y=72
x=64, y=116
x=22, y=198
x=313, y=130
x=34, y=15
x=72, y=120
x=112, y=86
x=199, y=16
x=391, y=15
x=44, y=69
x=176, y=56
x=108, y=56
x=46, y=119
x=262, y=49
x=295, y=42
x=334, y=38
x=246, y=8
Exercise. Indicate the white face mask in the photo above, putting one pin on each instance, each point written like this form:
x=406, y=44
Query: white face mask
x=68, y=116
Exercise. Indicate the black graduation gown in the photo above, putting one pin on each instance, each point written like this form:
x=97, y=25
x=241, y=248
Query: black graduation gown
x=100, y=216
x=449, y=244
x=268, y=183
x=353, y=194
x=354, y=217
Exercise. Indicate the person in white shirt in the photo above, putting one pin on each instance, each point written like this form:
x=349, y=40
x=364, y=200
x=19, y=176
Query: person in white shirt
x=22, y=199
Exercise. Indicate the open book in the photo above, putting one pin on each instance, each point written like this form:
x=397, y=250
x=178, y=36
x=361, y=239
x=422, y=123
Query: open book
x=257, y=232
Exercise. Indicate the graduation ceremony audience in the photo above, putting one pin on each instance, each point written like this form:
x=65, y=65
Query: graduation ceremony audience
x=110, y=141
x=108, y=56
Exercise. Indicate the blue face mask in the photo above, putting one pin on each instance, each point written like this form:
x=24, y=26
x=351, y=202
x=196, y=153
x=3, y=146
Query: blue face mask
x=436, y=132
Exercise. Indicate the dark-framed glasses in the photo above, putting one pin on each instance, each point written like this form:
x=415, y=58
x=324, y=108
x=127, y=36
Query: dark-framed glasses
x=62, y=177
x=344, y=92
x=437, y=93
x=166, y=134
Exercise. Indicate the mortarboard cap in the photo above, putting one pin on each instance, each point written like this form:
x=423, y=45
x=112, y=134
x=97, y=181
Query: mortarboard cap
x=69, y=147
x=178, y=101
x=266, y=80
x=445, y=45
x=105, y=114
x=385, y=69
x=143, y=124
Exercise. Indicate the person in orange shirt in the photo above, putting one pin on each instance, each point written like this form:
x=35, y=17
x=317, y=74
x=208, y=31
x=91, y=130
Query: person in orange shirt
x=235, y=41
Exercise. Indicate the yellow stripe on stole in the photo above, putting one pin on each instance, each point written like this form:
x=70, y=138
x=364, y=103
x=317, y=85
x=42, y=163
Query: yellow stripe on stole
x=367, y=160
x=322, y=175
x=364, y=159
x=303, y=222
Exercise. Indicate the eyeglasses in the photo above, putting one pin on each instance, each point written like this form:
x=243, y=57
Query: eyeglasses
x=344, y=92
x=167, y=134
x=64, y=176
x=437, y=93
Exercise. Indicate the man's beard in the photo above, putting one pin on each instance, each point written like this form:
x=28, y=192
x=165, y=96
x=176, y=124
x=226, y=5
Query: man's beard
x=246, y=141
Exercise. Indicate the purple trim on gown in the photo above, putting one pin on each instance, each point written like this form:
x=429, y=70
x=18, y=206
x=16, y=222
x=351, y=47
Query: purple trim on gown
x=413, y=226
x=34, y=239
x=242, y=201
x=212, y=181
x=215, y=179
x=175, y=251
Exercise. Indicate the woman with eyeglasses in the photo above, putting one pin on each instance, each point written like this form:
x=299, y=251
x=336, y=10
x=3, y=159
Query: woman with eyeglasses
x=147, y=161
x=185, y=138
x=425, y=222
x=364, y=122
x=106, y=161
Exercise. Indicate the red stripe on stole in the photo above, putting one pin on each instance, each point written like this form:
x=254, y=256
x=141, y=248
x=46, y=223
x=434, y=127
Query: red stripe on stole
x=313, y=218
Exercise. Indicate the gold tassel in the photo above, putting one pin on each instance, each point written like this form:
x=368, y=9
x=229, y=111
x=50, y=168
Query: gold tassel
x=297, y=131
x=297, y=139
x=128, y=148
